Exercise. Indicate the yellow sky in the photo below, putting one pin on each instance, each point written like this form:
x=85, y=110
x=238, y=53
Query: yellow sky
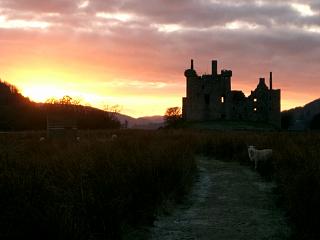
x=40, y=81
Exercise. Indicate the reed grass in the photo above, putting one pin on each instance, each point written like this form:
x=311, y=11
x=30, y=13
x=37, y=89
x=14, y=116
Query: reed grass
x=63, y=189
x=97, y=188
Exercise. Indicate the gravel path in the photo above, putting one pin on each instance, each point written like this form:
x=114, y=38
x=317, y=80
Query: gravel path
x=228, y=201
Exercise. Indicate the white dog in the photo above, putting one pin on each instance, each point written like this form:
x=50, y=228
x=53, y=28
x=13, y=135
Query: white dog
x=259, y=155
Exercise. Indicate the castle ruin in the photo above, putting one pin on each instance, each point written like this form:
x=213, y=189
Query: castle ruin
x=209, y=97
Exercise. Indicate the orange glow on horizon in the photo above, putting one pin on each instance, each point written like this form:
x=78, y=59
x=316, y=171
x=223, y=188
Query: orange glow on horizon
x=135, y=106
x=40, y=83
x=41, y=80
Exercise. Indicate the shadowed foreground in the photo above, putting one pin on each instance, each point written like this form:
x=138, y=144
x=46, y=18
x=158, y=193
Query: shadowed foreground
x=228, y=201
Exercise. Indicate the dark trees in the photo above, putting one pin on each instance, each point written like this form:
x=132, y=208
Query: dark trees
x=173, y=117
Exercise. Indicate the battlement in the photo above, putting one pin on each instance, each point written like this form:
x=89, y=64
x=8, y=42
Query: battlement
x=226, y=73
x=214, y=71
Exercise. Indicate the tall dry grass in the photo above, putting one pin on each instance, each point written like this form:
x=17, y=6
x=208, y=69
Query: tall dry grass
x=99, y=188
x=94, y=188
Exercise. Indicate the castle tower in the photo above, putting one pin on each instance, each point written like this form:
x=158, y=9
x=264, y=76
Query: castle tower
x=214, y=67
x=206, y=95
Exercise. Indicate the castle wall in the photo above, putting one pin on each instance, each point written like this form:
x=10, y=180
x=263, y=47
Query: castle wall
x=209, y=97
x=236, y=106
x=275, y=108
x=206, y=97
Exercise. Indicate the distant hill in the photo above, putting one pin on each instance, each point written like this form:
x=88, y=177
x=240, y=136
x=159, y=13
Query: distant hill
x=302, y=118
x=148, y=122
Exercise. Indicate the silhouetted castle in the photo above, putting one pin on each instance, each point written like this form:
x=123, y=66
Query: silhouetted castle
x=209, y=97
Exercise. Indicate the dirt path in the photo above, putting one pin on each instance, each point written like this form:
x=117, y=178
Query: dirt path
x=228, y=201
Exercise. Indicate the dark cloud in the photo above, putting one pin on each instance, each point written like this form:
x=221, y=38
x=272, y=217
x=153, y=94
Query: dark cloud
x=210, y=13
x=188, y=13
x=58, y=6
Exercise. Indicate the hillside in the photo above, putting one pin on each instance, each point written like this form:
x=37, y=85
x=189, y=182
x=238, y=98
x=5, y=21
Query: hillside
x=302, y=118
x=19, y=113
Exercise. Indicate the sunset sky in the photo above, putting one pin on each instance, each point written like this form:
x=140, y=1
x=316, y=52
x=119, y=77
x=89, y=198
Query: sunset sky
x=134, y=52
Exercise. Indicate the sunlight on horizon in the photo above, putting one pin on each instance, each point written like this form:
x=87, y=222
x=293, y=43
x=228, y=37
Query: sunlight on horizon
x=132, y=106
x=42, y=88
x=48, y=79
x=135, y=106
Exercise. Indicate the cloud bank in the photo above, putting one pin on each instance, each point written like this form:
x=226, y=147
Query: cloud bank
x=152, y=41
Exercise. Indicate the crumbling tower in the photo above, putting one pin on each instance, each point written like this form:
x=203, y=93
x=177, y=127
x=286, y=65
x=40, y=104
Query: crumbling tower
x=206, y=95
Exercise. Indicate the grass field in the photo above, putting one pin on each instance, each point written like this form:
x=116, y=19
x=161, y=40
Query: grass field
x=98, y=189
